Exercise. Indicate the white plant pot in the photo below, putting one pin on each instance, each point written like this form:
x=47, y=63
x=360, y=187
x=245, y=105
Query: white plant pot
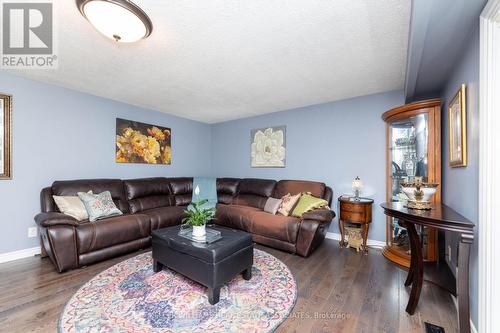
x=199, y=231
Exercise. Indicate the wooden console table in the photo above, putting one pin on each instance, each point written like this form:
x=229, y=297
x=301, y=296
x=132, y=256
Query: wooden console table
x=444, y=218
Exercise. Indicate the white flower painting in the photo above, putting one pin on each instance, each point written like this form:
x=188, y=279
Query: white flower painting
x=268, y=149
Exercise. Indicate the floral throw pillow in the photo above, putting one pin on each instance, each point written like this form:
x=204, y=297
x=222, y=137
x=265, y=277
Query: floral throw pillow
x=99, y=206
x=288, y=203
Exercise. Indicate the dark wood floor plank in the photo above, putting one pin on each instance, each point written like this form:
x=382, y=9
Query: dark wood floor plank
x=381, y=298
x=339, y=290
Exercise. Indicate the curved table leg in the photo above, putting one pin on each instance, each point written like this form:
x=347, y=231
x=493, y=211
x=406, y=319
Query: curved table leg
x=416, y=268
x=365, y=236
x=409, y=277
x=342, y=243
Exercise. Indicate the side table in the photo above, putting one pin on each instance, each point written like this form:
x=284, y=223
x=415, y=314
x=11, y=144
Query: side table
x=356, y=211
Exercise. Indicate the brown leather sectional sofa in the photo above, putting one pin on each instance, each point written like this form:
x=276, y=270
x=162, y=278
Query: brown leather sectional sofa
x=152, y=203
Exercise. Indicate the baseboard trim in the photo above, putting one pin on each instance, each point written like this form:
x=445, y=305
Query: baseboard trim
x=370, y=242
x=19, y=254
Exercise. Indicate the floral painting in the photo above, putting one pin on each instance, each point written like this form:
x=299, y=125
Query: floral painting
x=142, y=143
x=268, y=147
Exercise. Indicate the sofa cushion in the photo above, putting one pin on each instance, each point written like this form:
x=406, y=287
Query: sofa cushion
x=114, y=186
x=297, y=186
x=250, y=200
x=148, y=193
x=92, y=236
x=256, y=221
x=254, y=192
x=261, y=187
x=280, y=227
x=227, y=189
x=234, y=216
x=165, y=216
x=182, y=189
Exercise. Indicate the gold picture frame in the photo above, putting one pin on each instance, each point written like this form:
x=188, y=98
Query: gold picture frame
x=5, y=136
x=457, y=119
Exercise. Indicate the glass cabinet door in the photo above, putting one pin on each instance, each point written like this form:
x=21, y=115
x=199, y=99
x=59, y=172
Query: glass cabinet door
x=413, y=150
x=408, y=156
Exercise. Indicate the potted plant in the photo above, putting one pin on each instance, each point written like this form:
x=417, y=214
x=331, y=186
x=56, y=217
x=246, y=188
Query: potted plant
x=197, y=217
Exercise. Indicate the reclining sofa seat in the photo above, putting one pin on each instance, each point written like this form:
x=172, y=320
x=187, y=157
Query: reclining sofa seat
x=153, y=203
x=288, y=233
x=71, y=244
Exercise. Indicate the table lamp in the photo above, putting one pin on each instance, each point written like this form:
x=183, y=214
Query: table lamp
x=357, y=185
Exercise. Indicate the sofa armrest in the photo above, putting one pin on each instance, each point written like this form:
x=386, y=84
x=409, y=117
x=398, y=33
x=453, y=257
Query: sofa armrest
x=312, y=231
x=322, y=215
x=54, y=218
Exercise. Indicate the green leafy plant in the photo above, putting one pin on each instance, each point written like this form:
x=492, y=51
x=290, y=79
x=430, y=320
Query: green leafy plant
x=198, y=216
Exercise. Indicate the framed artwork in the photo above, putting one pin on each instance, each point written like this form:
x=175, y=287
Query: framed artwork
x=5, y=136
x=458, y=129
x=268, y=147
x=142, y=143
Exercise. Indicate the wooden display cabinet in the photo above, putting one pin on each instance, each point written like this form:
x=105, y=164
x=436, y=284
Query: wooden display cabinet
x=413, y=134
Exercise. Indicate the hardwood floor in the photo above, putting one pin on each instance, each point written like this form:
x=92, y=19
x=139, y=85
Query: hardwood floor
x=338, y=291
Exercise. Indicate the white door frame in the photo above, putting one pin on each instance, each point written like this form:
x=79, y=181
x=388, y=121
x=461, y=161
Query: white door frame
x=489, y=169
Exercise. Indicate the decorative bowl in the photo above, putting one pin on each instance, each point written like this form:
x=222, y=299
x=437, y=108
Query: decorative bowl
x=419, y=193
x=428, y=191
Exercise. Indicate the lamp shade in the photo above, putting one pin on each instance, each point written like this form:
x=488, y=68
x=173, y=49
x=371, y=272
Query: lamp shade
x=120, y=20
x=357, y=184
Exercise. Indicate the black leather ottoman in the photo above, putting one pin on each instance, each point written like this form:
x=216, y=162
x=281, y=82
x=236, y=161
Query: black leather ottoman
x=211, y=265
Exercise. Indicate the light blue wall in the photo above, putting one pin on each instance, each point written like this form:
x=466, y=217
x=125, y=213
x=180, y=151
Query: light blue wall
x=331, y=143
x=63, y=134
x=461, y=185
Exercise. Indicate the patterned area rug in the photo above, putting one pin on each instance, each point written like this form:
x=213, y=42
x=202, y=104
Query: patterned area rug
x=130, y=297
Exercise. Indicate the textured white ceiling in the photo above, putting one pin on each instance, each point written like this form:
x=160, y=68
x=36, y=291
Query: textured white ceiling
x=218, y=60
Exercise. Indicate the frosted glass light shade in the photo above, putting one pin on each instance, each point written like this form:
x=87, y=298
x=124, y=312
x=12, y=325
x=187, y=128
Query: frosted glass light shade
x=357, y=184
x=120, y=20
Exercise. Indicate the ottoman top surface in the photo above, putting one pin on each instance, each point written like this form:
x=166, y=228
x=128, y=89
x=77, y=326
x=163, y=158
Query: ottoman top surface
x=232, y=241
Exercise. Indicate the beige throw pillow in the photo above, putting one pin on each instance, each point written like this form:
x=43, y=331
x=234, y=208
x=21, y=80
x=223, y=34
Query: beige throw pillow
x=288, y=203
x=272, y=205
x=72, y=206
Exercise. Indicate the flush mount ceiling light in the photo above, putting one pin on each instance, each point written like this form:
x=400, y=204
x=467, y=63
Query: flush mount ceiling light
x=120, y=20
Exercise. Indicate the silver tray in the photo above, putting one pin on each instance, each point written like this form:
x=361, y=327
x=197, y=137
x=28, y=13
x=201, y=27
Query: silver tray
x=211, y=235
